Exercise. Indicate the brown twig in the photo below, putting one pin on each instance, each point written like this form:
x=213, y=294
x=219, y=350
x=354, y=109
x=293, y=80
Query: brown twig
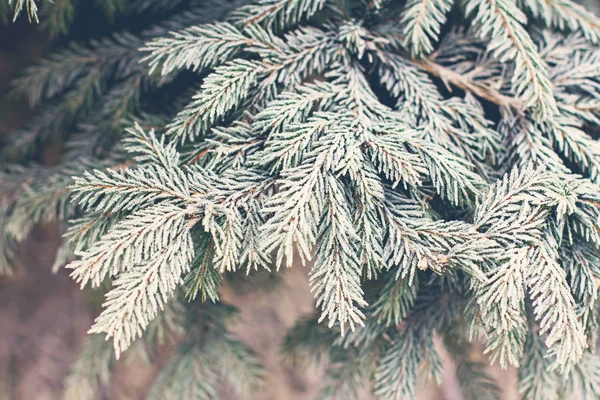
x=455, y=79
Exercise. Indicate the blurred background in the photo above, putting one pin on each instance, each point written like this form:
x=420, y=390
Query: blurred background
x=44, y=318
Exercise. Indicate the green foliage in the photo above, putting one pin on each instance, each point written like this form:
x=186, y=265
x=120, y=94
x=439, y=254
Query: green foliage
x=435, y=164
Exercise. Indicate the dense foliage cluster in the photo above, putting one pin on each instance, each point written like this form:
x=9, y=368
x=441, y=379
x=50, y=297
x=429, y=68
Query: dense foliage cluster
x=434, y=163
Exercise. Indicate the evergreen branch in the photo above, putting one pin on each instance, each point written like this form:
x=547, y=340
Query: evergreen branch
x=320, y=137
x=501, y=297
x=421, y=22
x=293, y=107
x=565, y=14
x=30, y=6
x=148, y=149
x=251, y=253
x=396, y=375
x=295, y=212
x=225, y=226
x=414, y=241
x=578, y=147
x=411, y=86
x=50, y=203
x=395, y=301
x=448, y=123
x=391, y=157
x=275, y=14
x=451, y=176
x=369, y=194
x=474, y=380
x=554, y=307
x=525, y=185
x=57, y=17
x=232, y=83
x=335, y=276
x=288, y=149
x=528, y=145
x=75, y=65
x=83, y=232
x=135, y=239
x=502, y=306
x=7, y=245
x=236, y=364
x=208, y=357
x=221, y=91
x=196, y=48
x=502, y=22
x=581, y=264
x=203, y=277
x=141, y=290
x=113, y=191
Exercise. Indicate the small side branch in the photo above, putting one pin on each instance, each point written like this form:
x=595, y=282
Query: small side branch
x=455, y=79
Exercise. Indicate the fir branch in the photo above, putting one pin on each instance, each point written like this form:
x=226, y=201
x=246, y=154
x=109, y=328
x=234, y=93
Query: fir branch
x=294, y=107
x=369, y=193
x=473, y=378
x=577, y=146
x=451, y=176
x=8, y=245
x=208, y=357
x=582, y=267
x=203, y=277
x=525, y=185
x=57, y=17
x=276, y=14
x=335, y=276
x=288, y=149
x=566, y=15
x=80, y=67
x=421, y=22
x=38, y=205
x=29, y=5
x=502, y=22
x=135, y=239
x=141, y=290
x=196, y=48
x=113, y=191
x=554, y=307
x=295, y=212
x=501, y=297
x=221, y=91
x=251, y=252
x=320, y=137
x=528, y=145
x=396, y=300
x=502, y=306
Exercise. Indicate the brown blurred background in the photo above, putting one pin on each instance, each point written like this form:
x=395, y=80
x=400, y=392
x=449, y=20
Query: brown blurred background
x=44, y=317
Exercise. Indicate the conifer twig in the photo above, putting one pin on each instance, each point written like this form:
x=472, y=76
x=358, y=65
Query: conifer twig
x=485, y=92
